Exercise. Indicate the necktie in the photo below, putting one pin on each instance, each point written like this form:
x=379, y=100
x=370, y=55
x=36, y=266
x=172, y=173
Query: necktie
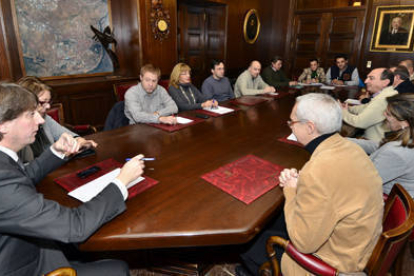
x=20, y=163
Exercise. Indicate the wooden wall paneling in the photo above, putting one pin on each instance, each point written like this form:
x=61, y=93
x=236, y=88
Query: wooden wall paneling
x=379, y=59
x=11, y=42
x=5, y=73
x=160, y=53
x=345, y=35
x=306, y=41
x=126, y=31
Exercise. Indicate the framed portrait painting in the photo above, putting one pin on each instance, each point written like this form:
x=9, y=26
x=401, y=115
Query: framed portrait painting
x=393, y=29
x=251, y=26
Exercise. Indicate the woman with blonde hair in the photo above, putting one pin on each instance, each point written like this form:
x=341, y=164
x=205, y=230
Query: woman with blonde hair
x=394, y=156
x=184, y=93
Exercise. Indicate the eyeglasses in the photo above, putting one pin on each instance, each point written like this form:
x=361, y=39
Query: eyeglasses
x=50, y=102
x=291, y=123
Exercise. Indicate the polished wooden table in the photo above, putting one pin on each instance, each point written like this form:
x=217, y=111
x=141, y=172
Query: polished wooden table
x=183, y=210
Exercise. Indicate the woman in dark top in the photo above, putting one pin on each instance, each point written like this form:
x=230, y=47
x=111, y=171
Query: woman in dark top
x=186, y=95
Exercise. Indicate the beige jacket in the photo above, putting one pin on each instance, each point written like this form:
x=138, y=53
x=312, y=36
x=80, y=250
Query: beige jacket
x=336, y=210
x=370, y=116
x=246, y=85
x=307, y=75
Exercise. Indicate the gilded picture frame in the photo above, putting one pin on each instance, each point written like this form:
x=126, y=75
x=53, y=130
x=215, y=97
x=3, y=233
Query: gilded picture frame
x=251, y=26
x=393, y=29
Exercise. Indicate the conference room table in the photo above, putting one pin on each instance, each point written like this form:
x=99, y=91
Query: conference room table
x=183, y=210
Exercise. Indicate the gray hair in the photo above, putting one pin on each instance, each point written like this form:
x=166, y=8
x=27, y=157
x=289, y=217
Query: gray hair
x=322, y=110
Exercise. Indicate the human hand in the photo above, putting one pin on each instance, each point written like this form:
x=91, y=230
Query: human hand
x=207, y=104
x=66, y=145
x=169, y=120
x=269, y=89
x=308, y=81
x=292, y=83
x=85, y=144
x=343, y=105
x=289, y=178
x=131, y=170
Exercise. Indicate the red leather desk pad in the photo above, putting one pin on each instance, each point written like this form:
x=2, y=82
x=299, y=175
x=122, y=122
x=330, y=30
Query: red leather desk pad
x=70, y=181
x=246, y=178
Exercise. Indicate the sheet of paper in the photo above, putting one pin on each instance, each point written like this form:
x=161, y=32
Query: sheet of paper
x=327, y=87
x=89, y=190
x=292, y=137
x=353, y=101
x=183, y=121
x=219, y=109
x=273, y=93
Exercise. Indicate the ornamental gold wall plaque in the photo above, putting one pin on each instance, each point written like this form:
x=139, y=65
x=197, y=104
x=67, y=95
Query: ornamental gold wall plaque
x=159, y=20
x=251, y=26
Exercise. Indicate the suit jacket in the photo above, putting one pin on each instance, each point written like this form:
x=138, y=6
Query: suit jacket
x=405, y=87
x=336, y=210
x=370, y=116
x=29, y=223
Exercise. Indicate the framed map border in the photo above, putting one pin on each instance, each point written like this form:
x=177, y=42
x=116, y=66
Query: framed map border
x=19, y=46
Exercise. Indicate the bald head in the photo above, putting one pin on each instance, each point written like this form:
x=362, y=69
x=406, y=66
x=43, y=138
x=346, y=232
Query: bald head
x=254, y=68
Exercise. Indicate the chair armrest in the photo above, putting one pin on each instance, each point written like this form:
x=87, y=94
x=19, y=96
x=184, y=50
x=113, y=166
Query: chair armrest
x=307, y=261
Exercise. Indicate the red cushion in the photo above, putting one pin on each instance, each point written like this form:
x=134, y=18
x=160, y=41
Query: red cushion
x=121, y=89
x=164, y=83
x=54, y=113
x=396, y=216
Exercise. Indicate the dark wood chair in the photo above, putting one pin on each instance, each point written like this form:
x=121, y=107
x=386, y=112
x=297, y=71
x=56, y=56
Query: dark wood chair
x=57, y=113
x=63, y=271
x=398, y=222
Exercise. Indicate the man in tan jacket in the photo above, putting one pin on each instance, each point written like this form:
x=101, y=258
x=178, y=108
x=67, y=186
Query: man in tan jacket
x=370, y=116
x=333, y=206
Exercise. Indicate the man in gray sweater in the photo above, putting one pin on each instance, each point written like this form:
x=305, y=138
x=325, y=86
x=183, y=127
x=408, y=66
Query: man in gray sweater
x=148, y=102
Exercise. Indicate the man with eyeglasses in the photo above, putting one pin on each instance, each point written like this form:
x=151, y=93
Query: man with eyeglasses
x=333, y=205
x=370, y=116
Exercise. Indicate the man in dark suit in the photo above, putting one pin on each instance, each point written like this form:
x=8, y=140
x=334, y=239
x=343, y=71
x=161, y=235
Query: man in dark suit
x=402, y=81
x=397, y=35
x=29, y=223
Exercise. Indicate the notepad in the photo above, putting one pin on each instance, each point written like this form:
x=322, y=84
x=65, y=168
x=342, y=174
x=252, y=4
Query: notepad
x=89, y=190
x=353, y=101
x=327, y=87
x=219, y=110
x=182, y=120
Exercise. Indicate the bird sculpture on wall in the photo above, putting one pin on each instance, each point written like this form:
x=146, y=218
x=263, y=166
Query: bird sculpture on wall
x=106, y=38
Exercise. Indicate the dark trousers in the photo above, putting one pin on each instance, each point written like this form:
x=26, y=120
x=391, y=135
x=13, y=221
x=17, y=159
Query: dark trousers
x=256, y=254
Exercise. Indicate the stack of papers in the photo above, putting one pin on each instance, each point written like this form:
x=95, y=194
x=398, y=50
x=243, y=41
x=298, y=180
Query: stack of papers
x=353, y=101
x=182, y=120
x=91, y=189
x=327, y=87
x=219, y=110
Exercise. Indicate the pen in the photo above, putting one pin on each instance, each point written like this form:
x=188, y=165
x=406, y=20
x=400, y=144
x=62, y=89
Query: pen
x=143, y=159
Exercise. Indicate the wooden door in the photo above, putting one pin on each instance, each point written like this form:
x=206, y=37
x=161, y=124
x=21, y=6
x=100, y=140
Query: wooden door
x=324, y=35
x=202, y=32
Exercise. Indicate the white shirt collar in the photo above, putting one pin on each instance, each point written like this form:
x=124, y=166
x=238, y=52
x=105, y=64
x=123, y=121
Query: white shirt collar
x=9, y=152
